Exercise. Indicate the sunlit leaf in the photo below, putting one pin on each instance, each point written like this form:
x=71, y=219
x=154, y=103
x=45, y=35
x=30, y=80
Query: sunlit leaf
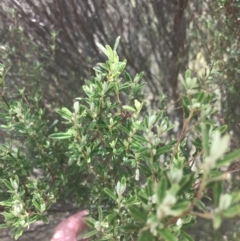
x=228, y=158
x=61, y=136
x=232, y=211
x=217, y=220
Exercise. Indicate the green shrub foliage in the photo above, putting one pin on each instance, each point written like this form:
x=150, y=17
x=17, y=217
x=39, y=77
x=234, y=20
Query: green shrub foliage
x=116, y=160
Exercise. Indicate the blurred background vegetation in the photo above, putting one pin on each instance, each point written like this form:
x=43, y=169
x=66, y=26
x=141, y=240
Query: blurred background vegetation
x=50, y=48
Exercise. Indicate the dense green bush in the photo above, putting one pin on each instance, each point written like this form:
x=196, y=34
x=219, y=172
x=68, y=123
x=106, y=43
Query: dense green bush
x=115, y=160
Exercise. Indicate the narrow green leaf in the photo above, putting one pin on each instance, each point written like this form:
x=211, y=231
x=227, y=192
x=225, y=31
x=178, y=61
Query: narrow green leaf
x=7, y=203
x=138, y=77
x=127, y=77
x=61, y=136
x=167, y=235
x=180, y=207
x=140, y=139
x=36, y=204
x=205, y=141
x=90, y=234
x=188, y=74
x=110, y=55
x=161, y=190
x=123, y=181
x=186, y=182
x=146, y=236
x=116, y=43
x=229, y=158
x=18, y=234
x=124, y=86
x=104, y=50
x=4, y=225
x=197, y=143
x=217, y=220
x=124, y=129
x=99, y=69
x=100, y=216
x=130, y=227
x=112, y=216
x=111, y=86
x=235, y=197
x=9, y=185
x=110, y=193
x=16, y=180
x=159, y=116
x=34, y=218
x=14, y=183
x=232, y=211
x=200, y=97
x=209, y=122
x=186, y=236
x=143, y=197
x=200, y=205
x=90, y=222
x=104, y=67
x=99, y=86
x=131, y=200
x=223, y=128
x=217, y=191
x=121, y=67
x=189, y=223
x=65, y=113
x=136, y=89
x=129, y=108
x=165, y=148
x=149, y=187
x=186, y=102
x=53, y=124
x=138, y=214
x=44, y=219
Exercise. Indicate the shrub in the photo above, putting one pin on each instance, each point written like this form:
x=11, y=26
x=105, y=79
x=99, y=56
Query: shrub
x=118, y=161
